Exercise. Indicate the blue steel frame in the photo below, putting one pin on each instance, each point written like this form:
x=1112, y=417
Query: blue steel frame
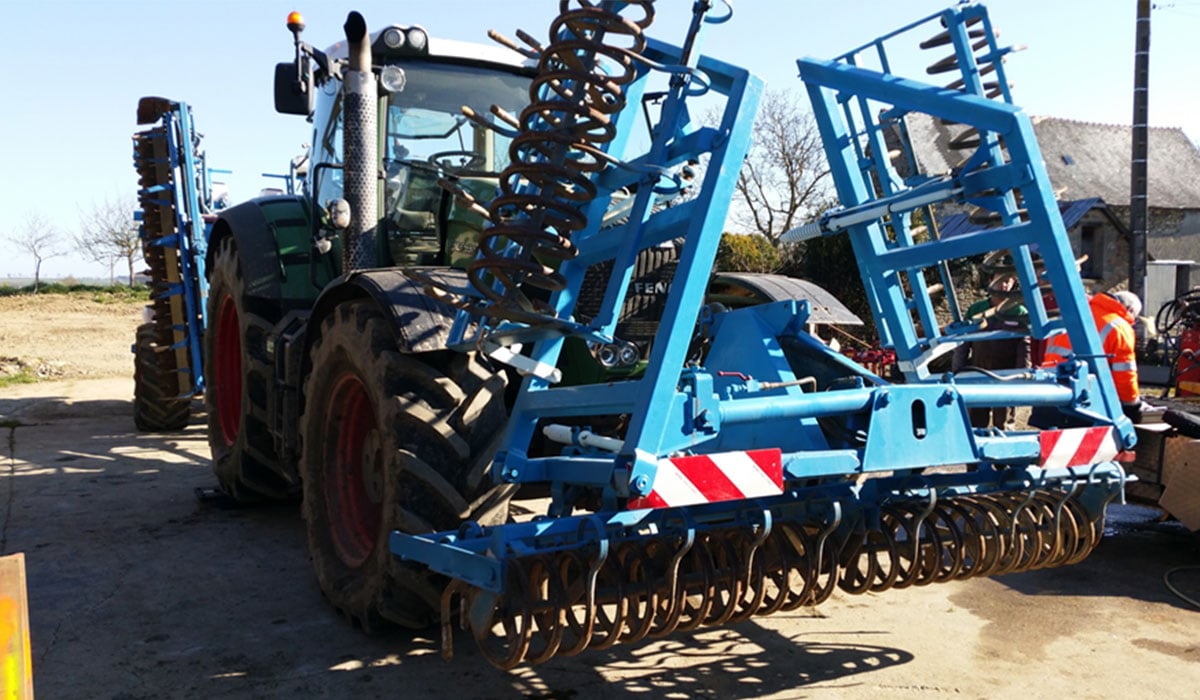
x=190, y=237
x=748, y=394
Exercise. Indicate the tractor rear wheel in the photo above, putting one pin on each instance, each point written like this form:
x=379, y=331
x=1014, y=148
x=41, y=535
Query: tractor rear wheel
x=156, y=406
x=392, y=442
x=238, y=375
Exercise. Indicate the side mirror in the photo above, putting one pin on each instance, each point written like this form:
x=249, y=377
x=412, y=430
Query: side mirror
x=294, y=88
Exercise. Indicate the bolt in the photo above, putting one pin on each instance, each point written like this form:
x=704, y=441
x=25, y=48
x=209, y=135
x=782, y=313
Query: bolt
x=641, y=484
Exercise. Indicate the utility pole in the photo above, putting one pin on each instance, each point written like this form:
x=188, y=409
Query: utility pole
x=1138, y=214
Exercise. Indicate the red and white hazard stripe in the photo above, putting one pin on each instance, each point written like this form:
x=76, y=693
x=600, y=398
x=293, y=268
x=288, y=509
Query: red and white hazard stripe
x=726, y=476
x=1076, y=447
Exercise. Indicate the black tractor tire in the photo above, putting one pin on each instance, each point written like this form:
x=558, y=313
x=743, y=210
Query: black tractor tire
x=238, y=376
x=392, y=441
x=156, y=406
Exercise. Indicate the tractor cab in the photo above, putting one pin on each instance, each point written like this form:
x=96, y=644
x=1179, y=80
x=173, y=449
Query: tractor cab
x=426, y=87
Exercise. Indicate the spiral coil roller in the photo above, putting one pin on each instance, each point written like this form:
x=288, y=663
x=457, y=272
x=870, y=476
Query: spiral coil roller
x=557, y=148
x=561, y=603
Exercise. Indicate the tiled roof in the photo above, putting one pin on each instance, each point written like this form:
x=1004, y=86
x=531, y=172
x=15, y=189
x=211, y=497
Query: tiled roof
x=1087, y=159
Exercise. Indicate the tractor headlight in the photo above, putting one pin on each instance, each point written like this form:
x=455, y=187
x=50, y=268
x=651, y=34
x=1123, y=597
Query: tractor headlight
x=392, y=79
x=417, y=39
x=393, y=38
x=397, y=40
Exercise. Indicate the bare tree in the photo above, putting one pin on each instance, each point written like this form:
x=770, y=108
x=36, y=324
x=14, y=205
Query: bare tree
x=783, y=180
x=41, y=239
x=108, y=233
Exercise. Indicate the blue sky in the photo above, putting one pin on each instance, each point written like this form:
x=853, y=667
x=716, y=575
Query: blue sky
x=77, y=69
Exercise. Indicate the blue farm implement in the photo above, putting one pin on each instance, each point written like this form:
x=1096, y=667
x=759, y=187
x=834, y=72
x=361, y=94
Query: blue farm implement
x=497, y=284
x=173, y=195
x=751, y=469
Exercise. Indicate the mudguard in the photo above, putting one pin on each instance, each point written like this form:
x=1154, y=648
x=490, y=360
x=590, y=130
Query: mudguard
x=422, y=322
x=737, y=289
x=274, y=242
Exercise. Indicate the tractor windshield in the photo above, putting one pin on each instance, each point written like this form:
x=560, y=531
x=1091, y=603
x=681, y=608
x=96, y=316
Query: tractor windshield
x=426, y=137
x=425, y=121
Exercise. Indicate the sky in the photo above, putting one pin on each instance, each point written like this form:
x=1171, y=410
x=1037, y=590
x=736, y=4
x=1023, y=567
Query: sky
x=78, y=67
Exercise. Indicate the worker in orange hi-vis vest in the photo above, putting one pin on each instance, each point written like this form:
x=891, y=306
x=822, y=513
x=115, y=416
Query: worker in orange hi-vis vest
x=1114, y=315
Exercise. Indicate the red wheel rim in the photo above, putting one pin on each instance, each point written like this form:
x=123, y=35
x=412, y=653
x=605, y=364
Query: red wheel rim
x=353, y=473
x=227, y=363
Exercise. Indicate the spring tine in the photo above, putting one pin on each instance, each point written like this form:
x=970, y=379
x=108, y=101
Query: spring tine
x=481, y=122
x=725, y=588
x=826, y=558
x=456, y=588
x=927, y=561
x=507, y=649
x=943, y=38
x=548, y=607
x=695, y=586
x=510, y=44
x=805, y=560
x=984, y=69
x=755, y=579
x=582, y=629
x=858, y=567
x=639, y=593
x=777, y=566
x=610, y=606
x=826, y=568
x=750, y=591
x=531, y=42
x=673, y=600
x=463, y=197
x=950, y=548
x=579, y=602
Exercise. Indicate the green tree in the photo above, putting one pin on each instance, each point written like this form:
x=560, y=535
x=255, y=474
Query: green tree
x=747, y=253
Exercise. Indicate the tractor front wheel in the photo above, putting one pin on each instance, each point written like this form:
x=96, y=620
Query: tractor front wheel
x=391, y=442
x=238, y=376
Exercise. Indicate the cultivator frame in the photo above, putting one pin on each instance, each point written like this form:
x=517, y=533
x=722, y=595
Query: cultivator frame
x=751, y=469
x=172, y=185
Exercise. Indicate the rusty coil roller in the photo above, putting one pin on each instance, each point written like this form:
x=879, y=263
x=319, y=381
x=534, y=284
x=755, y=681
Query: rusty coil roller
x=560, y=603
x=579, y=87
x=968, y=536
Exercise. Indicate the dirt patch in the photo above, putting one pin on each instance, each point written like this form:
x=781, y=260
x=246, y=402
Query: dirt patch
x=67, y=336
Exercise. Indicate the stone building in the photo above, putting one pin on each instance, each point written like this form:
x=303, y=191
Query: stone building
x=1098, y=236
x=1088, y=165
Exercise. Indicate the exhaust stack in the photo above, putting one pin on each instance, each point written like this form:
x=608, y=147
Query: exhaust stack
x=360, y=97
